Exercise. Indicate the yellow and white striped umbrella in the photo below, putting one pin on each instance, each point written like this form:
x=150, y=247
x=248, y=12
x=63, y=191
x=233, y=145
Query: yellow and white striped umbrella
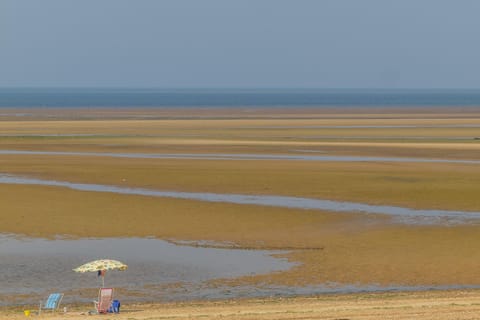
x=100, y=265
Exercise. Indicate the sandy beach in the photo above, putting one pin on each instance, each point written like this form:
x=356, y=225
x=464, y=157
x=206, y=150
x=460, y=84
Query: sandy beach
x=342, y=248
x=418, y=305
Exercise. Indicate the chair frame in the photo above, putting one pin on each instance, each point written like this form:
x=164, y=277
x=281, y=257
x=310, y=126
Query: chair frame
x=98, y=303
x=57, y=305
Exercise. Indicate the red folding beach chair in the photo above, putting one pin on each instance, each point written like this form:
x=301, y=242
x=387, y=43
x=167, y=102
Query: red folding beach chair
x=105, y=297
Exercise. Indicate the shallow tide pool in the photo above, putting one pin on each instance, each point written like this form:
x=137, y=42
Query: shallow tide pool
x=34, y=266
x=31, y=268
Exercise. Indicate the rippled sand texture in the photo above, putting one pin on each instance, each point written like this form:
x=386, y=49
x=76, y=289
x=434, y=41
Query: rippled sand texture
x=343, y=248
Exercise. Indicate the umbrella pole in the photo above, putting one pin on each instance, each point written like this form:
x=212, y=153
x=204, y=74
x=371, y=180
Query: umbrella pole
x=103, y=281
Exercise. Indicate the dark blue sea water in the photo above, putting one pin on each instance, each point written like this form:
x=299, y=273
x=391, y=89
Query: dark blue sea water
x=52, y=97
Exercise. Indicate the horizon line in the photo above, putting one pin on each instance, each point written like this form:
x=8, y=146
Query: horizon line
x=238, y=88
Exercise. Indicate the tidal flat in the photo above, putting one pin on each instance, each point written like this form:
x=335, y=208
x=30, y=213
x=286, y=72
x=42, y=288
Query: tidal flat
x=325, y=247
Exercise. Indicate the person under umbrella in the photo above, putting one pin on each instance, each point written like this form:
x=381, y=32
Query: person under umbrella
x=101, y=267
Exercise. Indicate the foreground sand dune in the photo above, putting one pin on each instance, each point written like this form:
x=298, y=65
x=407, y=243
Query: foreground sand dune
x=418, y=305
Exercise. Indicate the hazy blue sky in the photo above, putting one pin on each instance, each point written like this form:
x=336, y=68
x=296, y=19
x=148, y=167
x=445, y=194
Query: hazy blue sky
x=242, y=43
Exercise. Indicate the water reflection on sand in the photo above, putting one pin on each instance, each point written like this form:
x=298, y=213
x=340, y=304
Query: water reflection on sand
x=33, y=266
x=400, y=214
x=242, y=156
x=158, y=270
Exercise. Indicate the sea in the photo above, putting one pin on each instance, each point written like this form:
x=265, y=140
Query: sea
x=265, y=98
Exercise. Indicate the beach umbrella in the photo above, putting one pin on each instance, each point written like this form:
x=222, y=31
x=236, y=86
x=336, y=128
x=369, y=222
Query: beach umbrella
x=101, y=266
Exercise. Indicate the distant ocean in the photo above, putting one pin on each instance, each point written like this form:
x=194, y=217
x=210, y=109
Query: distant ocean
x=52, y=97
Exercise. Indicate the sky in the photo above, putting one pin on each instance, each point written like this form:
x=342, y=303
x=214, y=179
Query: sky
x=240, y=43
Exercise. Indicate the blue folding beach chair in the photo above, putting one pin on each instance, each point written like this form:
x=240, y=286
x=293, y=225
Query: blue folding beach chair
x=52, y=303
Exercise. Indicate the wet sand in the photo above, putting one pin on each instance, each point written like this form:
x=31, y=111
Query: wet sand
x=240, y=156
x=442, y=186
x=328, y=247
x=400, y=215
x=157, y=269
